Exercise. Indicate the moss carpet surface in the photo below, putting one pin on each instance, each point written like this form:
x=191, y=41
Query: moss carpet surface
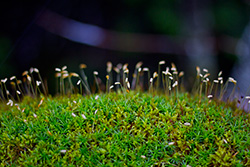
x=116, y=129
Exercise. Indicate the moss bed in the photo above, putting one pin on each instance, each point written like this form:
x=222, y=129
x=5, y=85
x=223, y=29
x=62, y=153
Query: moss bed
x=123, y=129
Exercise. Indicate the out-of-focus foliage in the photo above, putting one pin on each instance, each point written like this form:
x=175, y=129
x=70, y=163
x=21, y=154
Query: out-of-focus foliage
x=166, y=17
x=5, y=46
x=230, y=17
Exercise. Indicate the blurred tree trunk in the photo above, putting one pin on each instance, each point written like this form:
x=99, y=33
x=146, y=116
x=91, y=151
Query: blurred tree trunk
x=199, y=44
x=241, y=71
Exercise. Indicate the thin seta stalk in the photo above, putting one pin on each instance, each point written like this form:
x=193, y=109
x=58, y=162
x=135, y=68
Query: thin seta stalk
x=25, y=83
x=62, y=74
x=85, y=78
x=155, y=75
x=3, y=86
x=232, y=80
x=38, y=83
x=146, y=69
x=168, y=80
x=125, y=73
x=18, y=82
x=180, y=80
x=13, y=84
x=159, y=72
x=195, y=89
x=175, y=85
x=122, y=88
x=151, y=80
x=107, y=83
x=117, y=69
x=96, y=80
x=61, y=83
x=73, y=74
x=206, y=80
x=45, y=91
x=138, y=79
x=109, y=80
x=134, y=81
x=79, y=83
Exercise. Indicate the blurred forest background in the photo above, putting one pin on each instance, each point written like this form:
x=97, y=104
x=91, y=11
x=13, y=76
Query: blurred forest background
x=47, y=34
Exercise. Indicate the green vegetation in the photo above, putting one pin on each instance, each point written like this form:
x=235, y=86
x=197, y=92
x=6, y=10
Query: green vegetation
x=124, y=127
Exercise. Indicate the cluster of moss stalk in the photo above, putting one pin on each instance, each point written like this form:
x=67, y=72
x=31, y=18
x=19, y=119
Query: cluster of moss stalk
x=168, y=80
x=126, y=125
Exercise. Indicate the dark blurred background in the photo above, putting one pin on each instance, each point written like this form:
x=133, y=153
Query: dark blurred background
x=46, y=34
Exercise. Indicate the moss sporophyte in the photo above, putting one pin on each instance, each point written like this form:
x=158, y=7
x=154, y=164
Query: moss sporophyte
x=148, y=120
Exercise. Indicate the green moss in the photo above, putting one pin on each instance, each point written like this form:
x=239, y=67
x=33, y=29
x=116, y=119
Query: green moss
x=124, y=126
x=116, y=129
